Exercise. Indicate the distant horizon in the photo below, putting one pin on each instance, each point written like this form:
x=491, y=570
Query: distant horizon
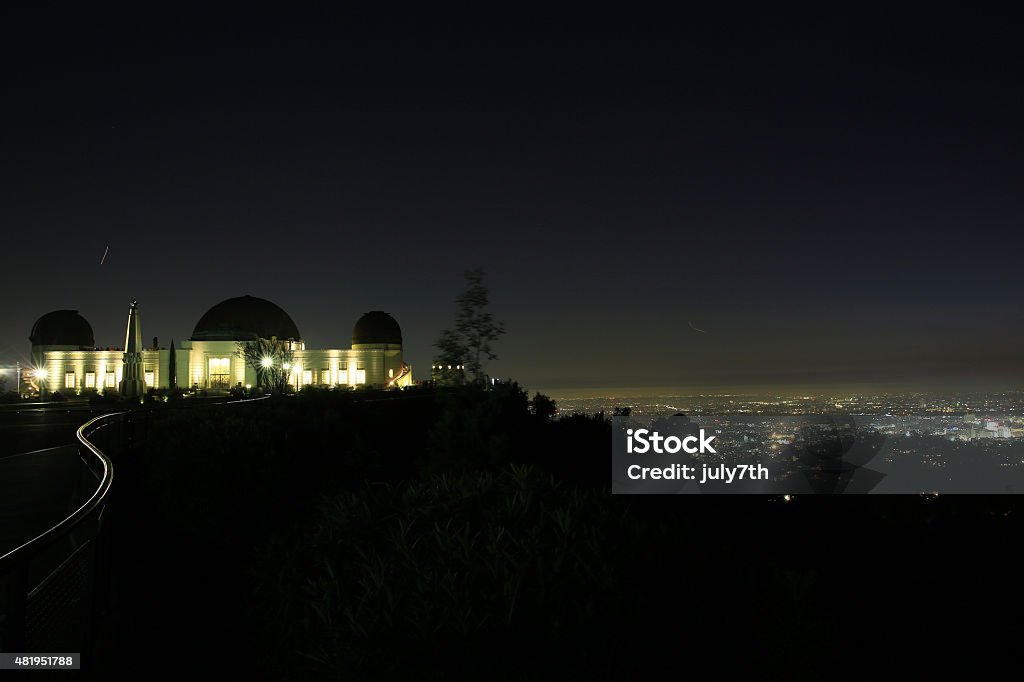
x=583, y=392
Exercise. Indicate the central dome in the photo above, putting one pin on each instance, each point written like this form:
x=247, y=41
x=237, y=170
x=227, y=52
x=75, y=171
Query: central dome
x=243, y=319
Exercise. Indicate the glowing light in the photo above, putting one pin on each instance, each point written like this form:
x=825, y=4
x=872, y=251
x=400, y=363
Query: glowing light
x=287, y=365
x=269, y=362
x=40, y=373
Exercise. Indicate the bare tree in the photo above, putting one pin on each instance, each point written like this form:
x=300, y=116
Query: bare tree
x=271, y=359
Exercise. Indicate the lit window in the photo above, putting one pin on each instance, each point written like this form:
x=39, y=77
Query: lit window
x=391, y=374
x=69, y=380
x=307, y=376
x=342, y=376
x=90, y=379
x=111, y=380
x=150, y=378
x=360, y=376
x=325, y=376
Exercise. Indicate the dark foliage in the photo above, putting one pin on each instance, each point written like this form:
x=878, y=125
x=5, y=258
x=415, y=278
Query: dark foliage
x=109, y=396
x=469, y=342
x=458, y=569
x=464, y=534
x=543, y=406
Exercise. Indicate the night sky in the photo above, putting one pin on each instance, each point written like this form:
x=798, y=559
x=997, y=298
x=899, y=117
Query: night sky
x=682, y=200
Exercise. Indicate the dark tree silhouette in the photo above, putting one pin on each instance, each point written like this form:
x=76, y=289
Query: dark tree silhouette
x=543, y=406
x=172, y=369
x=468, y=344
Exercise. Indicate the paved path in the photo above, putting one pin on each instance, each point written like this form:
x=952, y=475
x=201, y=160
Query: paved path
x=40, y=472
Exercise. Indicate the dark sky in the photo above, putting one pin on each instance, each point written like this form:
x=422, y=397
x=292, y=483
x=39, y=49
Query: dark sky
x=829, y=198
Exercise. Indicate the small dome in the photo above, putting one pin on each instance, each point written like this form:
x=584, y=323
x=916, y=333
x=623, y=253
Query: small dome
x=376, y=327
x=243, y=319
x=62, y=328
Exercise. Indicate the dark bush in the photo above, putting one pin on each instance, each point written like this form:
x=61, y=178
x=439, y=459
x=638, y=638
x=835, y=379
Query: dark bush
x=478, y=429
x=447, y=536
x=433, y=579
x=109, y=396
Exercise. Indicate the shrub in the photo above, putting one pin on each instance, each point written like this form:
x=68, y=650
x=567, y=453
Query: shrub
x=478, y=429
x=208, y=473
x=108, y=396
x=392, y=581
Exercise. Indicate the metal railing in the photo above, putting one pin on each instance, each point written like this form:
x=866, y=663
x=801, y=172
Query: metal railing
x=53, y=588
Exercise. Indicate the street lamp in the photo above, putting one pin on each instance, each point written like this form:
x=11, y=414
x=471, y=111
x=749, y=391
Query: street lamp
x=40, y=374
x=266, y=363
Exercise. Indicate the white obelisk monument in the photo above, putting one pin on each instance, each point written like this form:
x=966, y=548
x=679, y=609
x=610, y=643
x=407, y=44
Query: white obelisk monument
x=132, y=385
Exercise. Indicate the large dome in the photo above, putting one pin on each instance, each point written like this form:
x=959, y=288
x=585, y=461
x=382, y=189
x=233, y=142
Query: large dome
x=62, y=328
x=376, y=327
x=244, y=319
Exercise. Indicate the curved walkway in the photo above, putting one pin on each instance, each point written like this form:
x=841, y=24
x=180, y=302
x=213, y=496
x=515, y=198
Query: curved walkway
x=40, y=471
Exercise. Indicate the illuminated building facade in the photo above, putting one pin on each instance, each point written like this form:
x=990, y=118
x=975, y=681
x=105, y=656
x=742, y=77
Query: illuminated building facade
x=66, y=359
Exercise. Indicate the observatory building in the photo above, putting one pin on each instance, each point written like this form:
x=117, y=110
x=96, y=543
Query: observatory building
x=66, y=358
